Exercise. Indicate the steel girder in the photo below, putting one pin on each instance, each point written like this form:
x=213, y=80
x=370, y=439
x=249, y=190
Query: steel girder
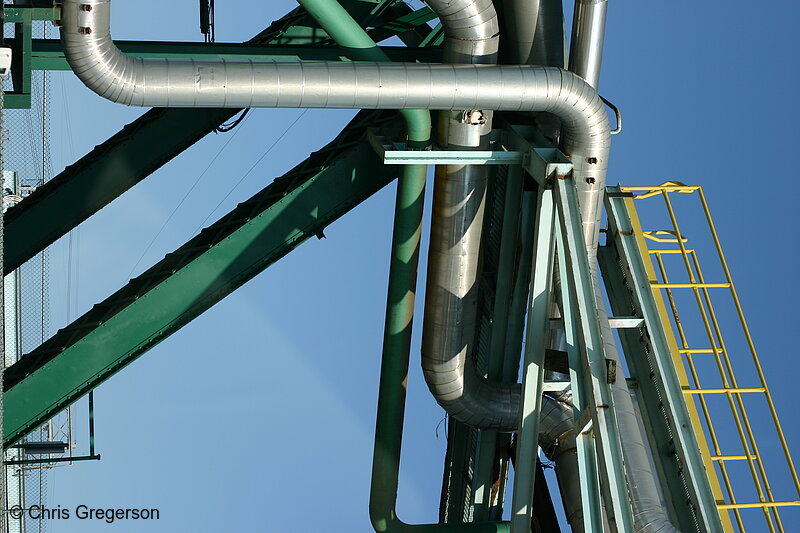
x=157, y=137
x=188, y=281
x=48, y=54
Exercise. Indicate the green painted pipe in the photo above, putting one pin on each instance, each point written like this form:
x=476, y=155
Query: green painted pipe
x=400, y=302
x=338, y=23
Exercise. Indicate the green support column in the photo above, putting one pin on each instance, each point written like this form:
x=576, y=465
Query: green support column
x=601, y=408
x=533, y=366
x=127, y=158
x=591, y=503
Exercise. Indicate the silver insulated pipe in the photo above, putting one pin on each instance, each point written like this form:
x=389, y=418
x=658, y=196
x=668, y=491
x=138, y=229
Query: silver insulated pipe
x=649, y=515
x=168, y=82
x=454, y=257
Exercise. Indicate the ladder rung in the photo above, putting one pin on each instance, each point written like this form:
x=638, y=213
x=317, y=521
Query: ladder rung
x=670, y=251
x=691, y=285
x=701, y=350
x=757, y=505
x=724, y=391
x=732, y=457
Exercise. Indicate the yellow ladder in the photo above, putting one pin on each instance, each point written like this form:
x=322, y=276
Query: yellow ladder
x=685, y=286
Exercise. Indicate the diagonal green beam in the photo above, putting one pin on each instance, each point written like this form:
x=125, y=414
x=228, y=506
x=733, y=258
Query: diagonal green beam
x=190, y=280
x=106, y=172
x=48, y=54
x=132, y=154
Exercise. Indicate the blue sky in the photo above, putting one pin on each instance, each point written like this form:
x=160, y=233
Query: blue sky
x=284, y=442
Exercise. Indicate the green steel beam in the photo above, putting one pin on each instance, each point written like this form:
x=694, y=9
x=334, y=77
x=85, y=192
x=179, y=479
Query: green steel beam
x=47, y=54
x=591, y=503
x=649, y=356
x=121, y=162
x=29, y=14
x=190, y=280
x=601, y=408
x=533, y=366
x=110, y=169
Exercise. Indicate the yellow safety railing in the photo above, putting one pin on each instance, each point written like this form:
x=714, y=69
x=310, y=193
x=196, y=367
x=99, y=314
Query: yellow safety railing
x=724, y=362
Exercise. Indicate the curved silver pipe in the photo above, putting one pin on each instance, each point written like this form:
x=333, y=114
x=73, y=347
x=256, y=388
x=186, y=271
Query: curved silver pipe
x=470, y=28
x=454, y=266
x=88, y=47
x=457, y=215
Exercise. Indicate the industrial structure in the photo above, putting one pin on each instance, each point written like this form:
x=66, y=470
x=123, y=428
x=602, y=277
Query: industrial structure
x=556, y=305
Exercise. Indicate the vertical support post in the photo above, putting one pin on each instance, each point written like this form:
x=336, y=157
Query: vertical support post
x=487, y=459
x=602, y=408
x=587, y=459
x=91, y=423
x=23, y=32
x=3, y=511
x=533, y=367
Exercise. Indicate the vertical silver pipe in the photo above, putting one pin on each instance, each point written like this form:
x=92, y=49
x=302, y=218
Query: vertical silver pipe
x=586, y=46
x=649, y=515
x=459, y=198
x=520, y=18
x=548, y=41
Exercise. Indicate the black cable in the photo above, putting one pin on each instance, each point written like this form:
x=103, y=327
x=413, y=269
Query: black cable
x=228, y=126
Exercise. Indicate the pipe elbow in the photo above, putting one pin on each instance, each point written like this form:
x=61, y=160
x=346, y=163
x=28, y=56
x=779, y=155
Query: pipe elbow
x=93, y=56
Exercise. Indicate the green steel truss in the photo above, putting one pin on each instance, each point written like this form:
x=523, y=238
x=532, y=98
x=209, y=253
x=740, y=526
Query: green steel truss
x=295, y=207
x=288, y=38
x=148, y=143
x=230, y=252
x=47, y=54
x=110, y=169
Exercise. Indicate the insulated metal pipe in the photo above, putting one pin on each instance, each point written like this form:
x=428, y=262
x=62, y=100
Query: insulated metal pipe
x=88, y=47
x=586, y=51
x=548, y=41
x=520, y=27
x=586, y=46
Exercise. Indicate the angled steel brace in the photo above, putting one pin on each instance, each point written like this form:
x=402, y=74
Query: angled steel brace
x=598, y=401
x=185, y=283
x=648, y=351
x=131, y=155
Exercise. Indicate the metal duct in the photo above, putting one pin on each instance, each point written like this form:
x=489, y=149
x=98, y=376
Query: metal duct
x=649, y=516
x=454, y=262
x=548, y=41
x=586, y=46
x=85, y=35
x=171, y=82
x=470, y=30
x=521, y=25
